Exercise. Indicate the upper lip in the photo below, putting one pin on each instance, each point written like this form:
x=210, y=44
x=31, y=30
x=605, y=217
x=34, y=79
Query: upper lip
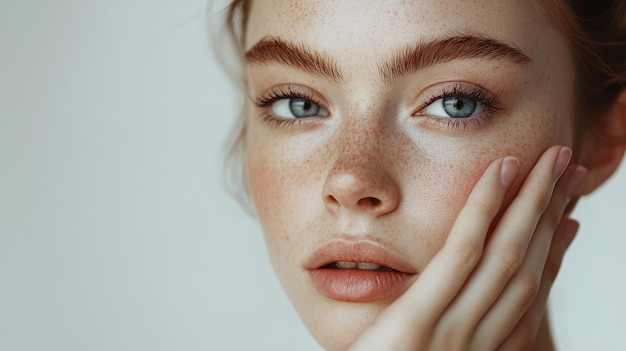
x=342, y=250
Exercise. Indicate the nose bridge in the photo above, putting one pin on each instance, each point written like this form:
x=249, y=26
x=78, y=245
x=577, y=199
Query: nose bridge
x=360, y=177
x=360, y=141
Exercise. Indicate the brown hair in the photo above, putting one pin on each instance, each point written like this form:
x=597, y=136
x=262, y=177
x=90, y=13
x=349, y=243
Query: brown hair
x=597, y=34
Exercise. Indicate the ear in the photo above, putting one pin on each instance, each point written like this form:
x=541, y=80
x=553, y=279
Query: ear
x=601, y=154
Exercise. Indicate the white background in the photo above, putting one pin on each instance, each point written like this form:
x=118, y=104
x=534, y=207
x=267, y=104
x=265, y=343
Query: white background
x=115, y=230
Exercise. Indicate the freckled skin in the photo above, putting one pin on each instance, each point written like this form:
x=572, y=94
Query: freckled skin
x=307, y=182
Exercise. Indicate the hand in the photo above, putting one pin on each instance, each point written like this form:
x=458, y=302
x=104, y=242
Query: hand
x=479, y=294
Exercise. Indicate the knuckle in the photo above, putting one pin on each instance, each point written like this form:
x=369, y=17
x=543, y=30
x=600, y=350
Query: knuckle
x=553, y=220
x=552, y=217
x=538, y=202
x=448, y=338
x=528, y=289
x=467, y=252
x=484, y=208
x=542, y=202
x=510, y=259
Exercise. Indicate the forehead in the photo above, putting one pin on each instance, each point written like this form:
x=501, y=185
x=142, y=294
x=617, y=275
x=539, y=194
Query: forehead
x=343, y=26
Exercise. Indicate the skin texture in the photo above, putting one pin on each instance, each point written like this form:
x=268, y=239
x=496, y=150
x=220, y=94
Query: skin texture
x=477, y=296
x=313, y=181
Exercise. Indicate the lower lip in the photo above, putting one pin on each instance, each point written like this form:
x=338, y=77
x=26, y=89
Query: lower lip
x=354, y=285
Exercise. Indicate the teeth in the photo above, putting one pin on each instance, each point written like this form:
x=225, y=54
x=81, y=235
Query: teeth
x=358, y=265
x=346, y=265
x=368, y=266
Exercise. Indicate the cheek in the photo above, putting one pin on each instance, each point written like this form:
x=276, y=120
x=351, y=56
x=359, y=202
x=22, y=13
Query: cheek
x=436, y=174
x=268, y=180
x=282, y=185
x=448, y=169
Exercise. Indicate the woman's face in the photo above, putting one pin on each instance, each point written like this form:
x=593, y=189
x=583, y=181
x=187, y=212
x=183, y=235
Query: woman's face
x=401, y=106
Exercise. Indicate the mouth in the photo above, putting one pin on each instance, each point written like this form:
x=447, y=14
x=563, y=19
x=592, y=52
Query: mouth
x=359, y=271
x=365, y=266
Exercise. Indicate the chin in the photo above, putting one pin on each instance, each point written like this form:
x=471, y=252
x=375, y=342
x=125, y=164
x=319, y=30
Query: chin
x=335, y=325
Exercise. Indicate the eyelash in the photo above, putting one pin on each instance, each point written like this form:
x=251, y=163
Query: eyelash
x=491, y=102
x=281, y=93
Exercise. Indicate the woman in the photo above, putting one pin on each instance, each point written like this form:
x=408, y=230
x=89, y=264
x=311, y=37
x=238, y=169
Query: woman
x=414, y=164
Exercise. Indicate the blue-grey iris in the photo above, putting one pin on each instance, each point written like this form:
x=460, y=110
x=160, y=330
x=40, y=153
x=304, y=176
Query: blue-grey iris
x=457, y=107
x=303, y=108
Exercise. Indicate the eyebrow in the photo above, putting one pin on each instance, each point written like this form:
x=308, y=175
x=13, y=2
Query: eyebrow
x=276, y=50
x=406, y=60
x=413, y=58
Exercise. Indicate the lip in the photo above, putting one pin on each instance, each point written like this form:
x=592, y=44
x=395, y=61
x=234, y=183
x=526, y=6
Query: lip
x=352, y=285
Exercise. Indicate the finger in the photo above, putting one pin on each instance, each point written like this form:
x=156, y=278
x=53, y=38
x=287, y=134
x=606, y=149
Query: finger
x=449, y=269
x=524, y=333
x=418, y=308
x=522, y=289
x=508, y=244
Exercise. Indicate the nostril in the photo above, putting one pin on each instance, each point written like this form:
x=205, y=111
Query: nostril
x=331, y=200
x=360, y=188
x=369, y=202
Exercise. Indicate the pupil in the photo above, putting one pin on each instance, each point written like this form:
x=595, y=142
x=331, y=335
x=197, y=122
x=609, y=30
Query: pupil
x=459, y=107
x=303, y=108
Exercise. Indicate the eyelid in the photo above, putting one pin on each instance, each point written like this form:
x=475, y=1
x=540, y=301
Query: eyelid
x=492, y=103
x=457, y=88
x=286, y=91
x=266, y=101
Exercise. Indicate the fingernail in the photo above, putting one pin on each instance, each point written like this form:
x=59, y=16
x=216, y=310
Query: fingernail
x=508, y=170
x=562, y=160
x=577, y=182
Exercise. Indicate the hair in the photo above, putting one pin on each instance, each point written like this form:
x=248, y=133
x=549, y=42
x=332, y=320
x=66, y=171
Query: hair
x=596, y=30
x=233, y=30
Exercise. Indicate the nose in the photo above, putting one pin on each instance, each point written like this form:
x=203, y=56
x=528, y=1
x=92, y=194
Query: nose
x=361, y=179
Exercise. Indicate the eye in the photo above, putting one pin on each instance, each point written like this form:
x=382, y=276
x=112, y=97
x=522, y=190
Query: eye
x=454, y=107
x=297, y=108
